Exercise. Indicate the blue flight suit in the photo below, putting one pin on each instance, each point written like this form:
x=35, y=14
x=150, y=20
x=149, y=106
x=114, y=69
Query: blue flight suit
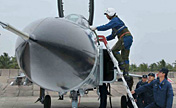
x=148, y=96
x=140, y=97
x=162, y=93
x=124, y=42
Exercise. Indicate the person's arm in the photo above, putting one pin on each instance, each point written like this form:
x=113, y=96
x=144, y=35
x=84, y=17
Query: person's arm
x=135, y=95
x=137, y=86
x=110, y=37
x=105, y=27
x=169, y=96
x=143, y=88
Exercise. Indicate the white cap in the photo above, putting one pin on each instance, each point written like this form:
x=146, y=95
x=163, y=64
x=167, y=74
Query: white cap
x=110, y=11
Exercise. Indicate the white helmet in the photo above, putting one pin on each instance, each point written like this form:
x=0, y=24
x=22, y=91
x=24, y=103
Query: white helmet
x=110, y=11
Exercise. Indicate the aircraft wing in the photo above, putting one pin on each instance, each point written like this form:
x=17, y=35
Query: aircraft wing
x=22, y=75
x=135, y=75
x=170, y=80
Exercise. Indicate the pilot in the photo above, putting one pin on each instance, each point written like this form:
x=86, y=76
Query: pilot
x=148, y=95
x=125, y=38
x=140, y=98
x=162, y=91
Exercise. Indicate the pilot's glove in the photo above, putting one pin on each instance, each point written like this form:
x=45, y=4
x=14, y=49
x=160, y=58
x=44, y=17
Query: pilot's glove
x=93, y=28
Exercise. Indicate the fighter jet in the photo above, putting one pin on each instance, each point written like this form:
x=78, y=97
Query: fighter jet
x=61, y=54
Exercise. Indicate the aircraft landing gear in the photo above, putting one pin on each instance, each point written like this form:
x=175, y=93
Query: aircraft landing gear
x=123, y=102
x=61, y=97
x=42, y=96
x=74, y=96
x=47, y=101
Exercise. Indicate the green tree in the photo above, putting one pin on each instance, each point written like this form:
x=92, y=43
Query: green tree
x=169, y=66
x=133, y=68
x=174, y=63
x=161, y=64
x=5, y=61
x=14, y=64
x=143, y=67
x=174, y=66
x=153, y=67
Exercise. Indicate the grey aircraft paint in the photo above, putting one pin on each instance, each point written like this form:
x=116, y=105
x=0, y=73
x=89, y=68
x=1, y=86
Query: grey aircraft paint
x=61, y=55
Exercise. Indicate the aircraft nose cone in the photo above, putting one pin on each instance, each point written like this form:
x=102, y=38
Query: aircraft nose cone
x=61, y=58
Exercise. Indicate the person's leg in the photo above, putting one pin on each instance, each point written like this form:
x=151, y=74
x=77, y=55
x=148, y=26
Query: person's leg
x=125, y=57
x=127, y=40
x=115, y=50
x=103, y=96
x=129, y=80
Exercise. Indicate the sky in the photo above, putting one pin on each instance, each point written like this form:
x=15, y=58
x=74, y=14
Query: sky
x=151, y=22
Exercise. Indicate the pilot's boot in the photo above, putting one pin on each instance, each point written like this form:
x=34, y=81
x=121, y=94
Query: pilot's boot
x=129, y=80
x=126, y=70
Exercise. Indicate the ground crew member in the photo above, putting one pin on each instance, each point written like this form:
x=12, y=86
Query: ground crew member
x=140, y=98
x=162, y=91
x=148, y=95
x=125, y=38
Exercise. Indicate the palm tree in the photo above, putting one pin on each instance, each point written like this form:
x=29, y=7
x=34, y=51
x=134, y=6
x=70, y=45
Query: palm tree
x=14, y=64
x=153, y=67
x=133, y=68
x=169, y=66
x=5, y=61
x=143, y=67
x=161, y=64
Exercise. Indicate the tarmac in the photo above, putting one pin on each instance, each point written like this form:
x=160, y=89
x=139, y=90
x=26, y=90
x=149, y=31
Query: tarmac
x=28, y=102
x=25, y=96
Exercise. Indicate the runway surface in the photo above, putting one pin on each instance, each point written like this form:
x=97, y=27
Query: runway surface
x=25, y=96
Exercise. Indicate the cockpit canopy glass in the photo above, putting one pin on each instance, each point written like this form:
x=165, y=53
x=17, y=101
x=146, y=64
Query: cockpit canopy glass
x=78, y=19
